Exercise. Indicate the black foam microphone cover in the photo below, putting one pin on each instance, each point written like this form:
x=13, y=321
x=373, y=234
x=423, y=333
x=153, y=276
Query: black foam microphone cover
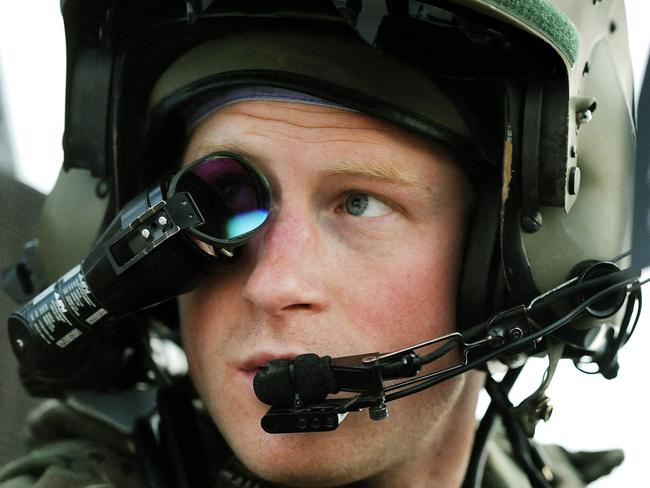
x=314, y=377
x=308, y=375
x=274, y=383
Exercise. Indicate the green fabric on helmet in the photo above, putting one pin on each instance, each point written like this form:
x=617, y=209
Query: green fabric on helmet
x=543, y=17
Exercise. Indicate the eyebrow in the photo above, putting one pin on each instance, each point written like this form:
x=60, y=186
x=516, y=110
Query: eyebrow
x=378, y=170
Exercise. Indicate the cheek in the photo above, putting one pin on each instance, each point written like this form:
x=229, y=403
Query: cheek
x=192, y=334
x=213, y=318
x=412, y=288
x=202, y=334
x=210, y=304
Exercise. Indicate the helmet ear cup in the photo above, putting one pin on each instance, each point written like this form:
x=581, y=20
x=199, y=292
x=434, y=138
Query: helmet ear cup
x=71, y=218
x=608, y=305
x=597, y=225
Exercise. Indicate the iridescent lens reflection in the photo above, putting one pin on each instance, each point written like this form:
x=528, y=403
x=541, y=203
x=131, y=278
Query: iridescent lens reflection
x=241, y=224
x=232, y=197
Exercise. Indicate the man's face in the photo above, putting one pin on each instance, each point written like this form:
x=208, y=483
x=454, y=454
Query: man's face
x=361, y=253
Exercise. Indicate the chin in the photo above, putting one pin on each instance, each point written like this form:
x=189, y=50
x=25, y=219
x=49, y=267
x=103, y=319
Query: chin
x=325, y=459
x=359, y=449
x=306, y=467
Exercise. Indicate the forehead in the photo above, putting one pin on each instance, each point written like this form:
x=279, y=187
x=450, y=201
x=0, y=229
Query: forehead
x=286, y=138
x=249, y=123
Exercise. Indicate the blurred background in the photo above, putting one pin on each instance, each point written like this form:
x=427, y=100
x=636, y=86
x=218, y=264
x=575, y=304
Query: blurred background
x=590, y=413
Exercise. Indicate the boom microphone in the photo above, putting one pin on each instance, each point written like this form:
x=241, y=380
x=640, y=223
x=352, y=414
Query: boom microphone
x=297, y=389
x=309, y=378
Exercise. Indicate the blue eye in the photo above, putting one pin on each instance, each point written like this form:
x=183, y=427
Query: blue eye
x=364, y=205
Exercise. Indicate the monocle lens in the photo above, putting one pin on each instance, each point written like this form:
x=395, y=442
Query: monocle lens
x=232, y=196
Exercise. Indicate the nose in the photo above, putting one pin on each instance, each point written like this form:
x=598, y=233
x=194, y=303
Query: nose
x=288, y=272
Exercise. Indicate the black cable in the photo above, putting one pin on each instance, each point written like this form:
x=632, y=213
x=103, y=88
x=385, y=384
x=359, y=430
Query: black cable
x=622, y=333
x=528, y=458
x=639, y=300
x=475, y=468
x=514, y=345
x=621, y=256
x=641, y=283
x=180, y=439
x=545, y=302
x=577, y=288
x=149, y=456
x=521, y=447
x=607, y=365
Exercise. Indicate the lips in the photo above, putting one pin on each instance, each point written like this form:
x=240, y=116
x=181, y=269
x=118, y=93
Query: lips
x=257, y=361
x=248, y=368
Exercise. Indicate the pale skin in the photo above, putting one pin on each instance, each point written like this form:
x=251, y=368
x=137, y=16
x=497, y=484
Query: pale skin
x=328, y=276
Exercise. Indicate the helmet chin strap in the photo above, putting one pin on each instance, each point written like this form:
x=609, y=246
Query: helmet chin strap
x=520, y=421
x=474, y=300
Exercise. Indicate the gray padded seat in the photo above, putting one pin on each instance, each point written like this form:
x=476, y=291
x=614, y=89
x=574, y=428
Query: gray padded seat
x=19, y=210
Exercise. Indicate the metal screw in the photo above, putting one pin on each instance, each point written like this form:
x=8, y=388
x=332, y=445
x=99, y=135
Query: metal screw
x=548, y=474
x=378, y=412
x=226, y=252
x=574, y=181
x=531, y=223
x=162, y=220
x=545, y=412
x=584, y=117
x=101, y=190
x=497, y=335
x=516, y=333
x=146, y=233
